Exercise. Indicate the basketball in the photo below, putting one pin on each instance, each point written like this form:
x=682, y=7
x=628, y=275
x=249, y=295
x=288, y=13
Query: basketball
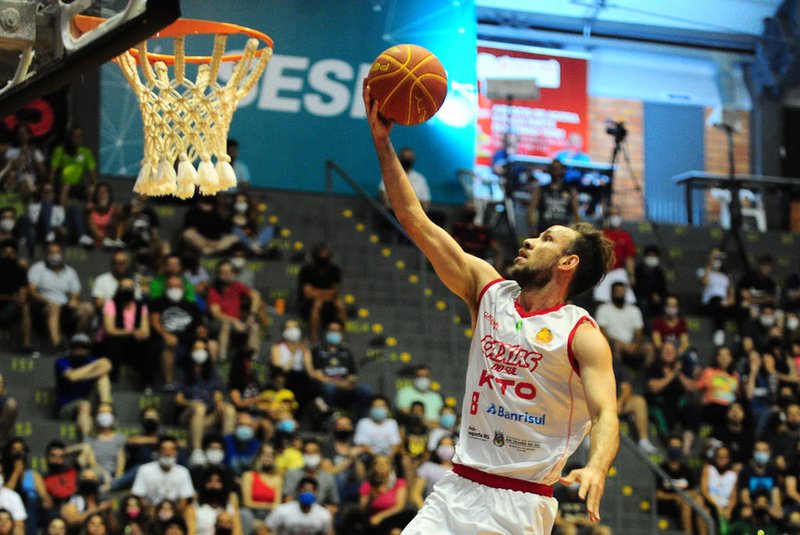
x=410, y=83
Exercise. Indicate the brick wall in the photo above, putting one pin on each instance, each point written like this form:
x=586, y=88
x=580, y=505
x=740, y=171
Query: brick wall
x=631, y=112
x=716, y=148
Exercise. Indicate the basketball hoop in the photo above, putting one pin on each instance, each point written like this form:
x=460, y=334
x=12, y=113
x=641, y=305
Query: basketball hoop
x=186, y=120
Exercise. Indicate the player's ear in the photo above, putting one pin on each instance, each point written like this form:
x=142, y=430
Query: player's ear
x=569, y=262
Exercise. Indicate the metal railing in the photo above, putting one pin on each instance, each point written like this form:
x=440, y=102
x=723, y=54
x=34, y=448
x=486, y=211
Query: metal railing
x=378, y=217
x=697, y=509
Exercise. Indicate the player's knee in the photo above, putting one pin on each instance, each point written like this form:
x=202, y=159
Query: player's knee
x=84, y=408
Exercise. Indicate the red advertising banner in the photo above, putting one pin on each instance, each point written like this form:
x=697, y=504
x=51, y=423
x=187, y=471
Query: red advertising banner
x=547, y=127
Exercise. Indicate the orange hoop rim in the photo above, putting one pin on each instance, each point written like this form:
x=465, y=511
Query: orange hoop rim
x=183, y=27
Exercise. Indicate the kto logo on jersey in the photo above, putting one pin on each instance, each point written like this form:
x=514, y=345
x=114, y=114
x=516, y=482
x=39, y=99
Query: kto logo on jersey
x=520, y=389
x=499, y=411
x=509, y=354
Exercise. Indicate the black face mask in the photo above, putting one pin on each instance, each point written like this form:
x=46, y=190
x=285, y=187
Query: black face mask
x=215, y=496
x=125, y=294
x=407, y=163
x=223, y=531
x=56, y=468
x=342, y=434
x=150, y=425
x=88, y=487
x=618, y=301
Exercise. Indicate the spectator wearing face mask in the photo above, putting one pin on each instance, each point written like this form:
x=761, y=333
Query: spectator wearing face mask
x=214, y=498
x=126, y=324
x=420, y=390
x=760, y=476
x=164, y=479
x=303, y=514
x=761, y=517
x=86, y=502
x=671, y=326
x=241, y=446
x=261, y=489
x=244, y=224
x=174, y=321
x=108, y=444
x=651, y=282
x=327, y=491
x=680, y=477
x=106, y=284
x=378, y=433
x=56, y=292
x=140, y=225
x=293, y=356
x=60, y=477
x=758, y=328
x=334, y=370
x=718, y=293
x=140, y=448
x=342, y=458
x=78, y=376
x=9, y=230
x=25, y=481
x=200, y=396
x=718, y=483
x=624, y=270
x=446, y=426
x=430, y=472
x=320, y=282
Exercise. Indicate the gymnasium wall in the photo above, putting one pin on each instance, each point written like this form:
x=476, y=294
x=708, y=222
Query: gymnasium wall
x=307, y=108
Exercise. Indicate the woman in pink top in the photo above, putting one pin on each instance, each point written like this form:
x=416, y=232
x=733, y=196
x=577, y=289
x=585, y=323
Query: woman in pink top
x=127, y=333
x=719, y=386
x=103, y=218
x=383, y=498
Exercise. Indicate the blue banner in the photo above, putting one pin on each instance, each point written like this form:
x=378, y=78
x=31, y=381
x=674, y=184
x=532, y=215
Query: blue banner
x=307, y=107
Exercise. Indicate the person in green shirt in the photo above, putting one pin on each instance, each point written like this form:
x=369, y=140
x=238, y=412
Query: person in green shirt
x=73, y=166
x=172, y=266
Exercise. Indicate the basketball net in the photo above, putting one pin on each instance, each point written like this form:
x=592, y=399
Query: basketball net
x=188, y=120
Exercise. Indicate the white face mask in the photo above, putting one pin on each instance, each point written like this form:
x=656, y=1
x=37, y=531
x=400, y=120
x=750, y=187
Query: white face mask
x=312, y=461
x=238, y=262
x=767, y=321
x=174, y=294
x=651, y=261
x=215, y=456
x=422, y=384
x=240, y=207
x=167, y=462
x=105, y=419
x=7, y=225
x=615, y=220
x=792, y=323
x=292, y=334
x=199, y=356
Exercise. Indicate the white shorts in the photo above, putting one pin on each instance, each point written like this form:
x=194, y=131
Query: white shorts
x=459, y=506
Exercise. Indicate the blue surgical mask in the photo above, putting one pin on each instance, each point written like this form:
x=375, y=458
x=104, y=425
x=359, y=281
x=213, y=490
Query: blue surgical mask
x=306, y=498
x=761, y=457
x=287, y=426
x=447, y=420
x=378, y=414
x=333, y=337
x=244, y=433
x=675, y=453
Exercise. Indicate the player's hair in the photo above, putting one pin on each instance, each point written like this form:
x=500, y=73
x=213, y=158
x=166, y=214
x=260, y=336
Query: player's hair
x=596, y=254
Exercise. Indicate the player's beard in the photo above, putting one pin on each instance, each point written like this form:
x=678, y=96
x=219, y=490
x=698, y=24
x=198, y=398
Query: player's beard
x=531, y=276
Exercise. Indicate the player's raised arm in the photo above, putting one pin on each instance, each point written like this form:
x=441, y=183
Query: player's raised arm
x=464, y=274
x=593, y=355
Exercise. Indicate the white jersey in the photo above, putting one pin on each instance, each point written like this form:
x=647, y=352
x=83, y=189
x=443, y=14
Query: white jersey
x=524, y=410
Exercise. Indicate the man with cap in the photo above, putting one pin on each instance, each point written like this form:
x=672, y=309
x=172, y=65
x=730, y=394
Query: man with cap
x=80, y=376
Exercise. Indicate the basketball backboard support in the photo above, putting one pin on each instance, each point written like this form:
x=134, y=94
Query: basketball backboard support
x=41, y=49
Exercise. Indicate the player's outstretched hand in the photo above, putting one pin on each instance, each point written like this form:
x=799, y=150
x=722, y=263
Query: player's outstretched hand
x=592, y=481
x=379, y=126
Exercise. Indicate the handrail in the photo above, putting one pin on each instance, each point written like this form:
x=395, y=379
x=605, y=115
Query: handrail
x=331, y=167
x=626, y=441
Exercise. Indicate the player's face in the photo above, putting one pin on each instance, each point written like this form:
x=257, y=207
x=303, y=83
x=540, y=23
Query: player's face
x=537, y=260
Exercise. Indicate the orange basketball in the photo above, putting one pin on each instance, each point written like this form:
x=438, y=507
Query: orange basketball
x=409, y=82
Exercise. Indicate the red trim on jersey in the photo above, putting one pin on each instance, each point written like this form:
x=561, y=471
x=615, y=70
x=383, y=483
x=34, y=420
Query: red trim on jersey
x=488, y=285
x=525, y=314
x=571, y=356
x=569, y=422
x=502, y=482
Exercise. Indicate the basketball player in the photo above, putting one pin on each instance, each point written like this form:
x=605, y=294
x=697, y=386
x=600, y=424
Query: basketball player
x=539, y=375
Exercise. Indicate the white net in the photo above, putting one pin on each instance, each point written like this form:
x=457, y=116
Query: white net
x=187, y=120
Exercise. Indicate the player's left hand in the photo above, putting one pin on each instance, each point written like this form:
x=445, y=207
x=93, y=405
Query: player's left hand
x=592, y=481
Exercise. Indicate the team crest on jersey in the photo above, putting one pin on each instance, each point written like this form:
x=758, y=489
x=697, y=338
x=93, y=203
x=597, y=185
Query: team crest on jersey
x=499, y=439
x=544, y=336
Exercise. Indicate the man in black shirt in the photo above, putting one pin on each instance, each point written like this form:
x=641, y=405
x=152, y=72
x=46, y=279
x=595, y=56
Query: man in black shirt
x=320, y=282
x=334, y=370
x=174, y=321
x=680, y=477
x=14, y=293
x=758, y=288
x=555, y=203
x=205, y=229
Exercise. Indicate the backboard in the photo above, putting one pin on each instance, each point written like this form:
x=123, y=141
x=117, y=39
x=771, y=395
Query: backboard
x=41, y=49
